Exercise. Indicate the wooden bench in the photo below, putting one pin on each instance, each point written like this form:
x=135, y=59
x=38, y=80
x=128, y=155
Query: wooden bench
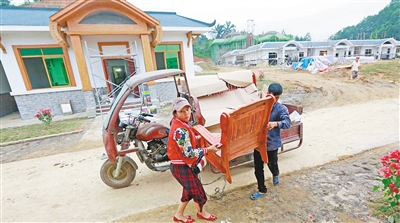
x=294, y=133
x=242, y=130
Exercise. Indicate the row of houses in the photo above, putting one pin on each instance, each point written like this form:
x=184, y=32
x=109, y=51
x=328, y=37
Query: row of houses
x=280, y=52
x=50, y=56
x=236, y=41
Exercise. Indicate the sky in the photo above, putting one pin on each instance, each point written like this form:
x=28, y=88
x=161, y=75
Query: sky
x=321, y=18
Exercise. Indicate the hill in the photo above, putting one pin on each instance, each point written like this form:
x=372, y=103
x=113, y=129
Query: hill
x=386, y=24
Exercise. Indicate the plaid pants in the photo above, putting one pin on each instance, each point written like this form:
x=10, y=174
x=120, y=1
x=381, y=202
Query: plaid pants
x=192, y=187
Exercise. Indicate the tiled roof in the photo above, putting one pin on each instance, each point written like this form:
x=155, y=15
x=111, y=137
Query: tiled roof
x=233, y=52
x=173, y=20
x=312, y=44
x=25, y=16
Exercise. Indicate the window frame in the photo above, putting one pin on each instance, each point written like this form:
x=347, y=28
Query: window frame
x=357, y=50
x=24, y=72
x=181, y=60
x=322, y=52
x=368, y=54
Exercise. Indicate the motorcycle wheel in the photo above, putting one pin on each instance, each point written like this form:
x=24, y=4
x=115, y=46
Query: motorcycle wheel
x=125, y=178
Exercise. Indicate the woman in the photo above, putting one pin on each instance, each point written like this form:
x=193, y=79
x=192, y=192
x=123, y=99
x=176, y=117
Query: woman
x=183, y=153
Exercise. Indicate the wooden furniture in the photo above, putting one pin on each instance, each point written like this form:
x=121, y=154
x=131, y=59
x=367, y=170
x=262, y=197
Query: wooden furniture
x=242, y=131
x=294, y=133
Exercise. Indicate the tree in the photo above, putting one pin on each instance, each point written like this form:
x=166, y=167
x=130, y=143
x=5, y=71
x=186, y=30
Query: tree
x=201, y=48
x=5, y=2
x=307, y=37
x=228, y=28
x=218, y=31
x=383, y=25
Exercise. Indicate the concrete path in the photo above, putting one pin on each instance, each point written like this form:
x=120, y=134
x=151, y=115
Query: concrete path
x=68, y=188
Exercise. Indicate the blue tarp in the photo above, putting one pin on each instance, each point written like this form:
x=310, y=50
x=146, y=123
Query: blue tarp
x=305, y=62
x=296, y=65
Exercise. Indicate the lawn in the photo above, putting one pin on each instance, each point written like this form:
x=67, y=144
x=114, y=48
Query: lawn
x=32, y=131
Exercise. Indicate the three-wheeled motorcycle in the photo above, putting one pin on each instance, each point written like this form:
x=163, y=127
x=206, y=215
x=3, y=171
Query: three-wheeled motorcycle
x=136, y=133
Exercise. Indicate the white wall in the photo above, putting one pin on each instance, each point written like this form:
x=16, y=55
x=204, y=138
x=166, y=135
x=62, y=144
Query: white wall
x=11, y=67
x=95, y=65
x=14, y=75
x=187, y=51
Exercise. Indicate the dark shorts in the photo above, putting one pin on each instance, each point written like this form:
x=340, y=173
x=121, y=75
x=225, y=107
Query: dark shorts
x=354, y=74
x=192, y=186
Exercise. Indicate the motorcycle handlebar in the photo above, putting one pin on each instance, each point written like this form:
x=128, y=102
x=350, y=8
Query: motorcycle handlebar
x=145, y=114
x=144, y=119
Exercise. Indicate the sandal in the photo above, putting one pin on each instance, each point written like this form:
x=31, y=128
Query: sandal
x=275, y=180
x=188, y=220
x=257, y=195
x=211, y=218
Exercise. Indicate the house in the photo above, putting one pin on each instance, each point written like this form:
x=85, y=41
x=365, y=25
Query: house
x=233, y=57
x=279, y=52
x=236, y=41
x=78, y=54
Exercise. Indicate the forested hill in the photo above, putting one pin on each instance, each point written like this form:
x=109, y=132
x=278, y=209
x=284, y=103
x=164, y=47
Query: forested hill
x=386, y=24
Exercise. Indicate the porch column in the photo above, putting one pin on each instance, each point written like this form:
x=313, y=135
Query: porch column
x=80, y=61
x=83, y=73
x=148, y=62
x=380, y=52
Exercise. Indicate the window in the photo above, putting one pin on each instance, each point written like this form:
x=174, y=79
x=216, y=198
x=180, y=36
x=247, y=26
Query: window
x=368, y=52
x=168, y=56
x=44, y=67
x=323, y=53
x=357, y=50
x=301, y=54
x=272, y=56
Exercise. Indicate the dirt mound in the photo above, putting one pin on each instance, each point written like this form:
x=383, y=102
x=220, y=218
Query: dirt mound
x=207, y=67
x=198, y=59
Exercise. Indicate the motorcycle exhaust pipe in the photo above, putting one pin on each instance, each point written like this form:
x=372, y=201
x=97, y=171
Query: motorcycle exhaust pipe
x=162, y=158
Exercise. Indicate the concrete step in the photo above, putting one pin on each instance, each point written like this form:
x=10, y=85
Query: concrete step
x=127, y=106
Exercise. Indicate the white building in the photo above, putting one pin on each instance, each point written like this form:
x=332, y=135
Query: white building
x=51, y=55
x=276, y=52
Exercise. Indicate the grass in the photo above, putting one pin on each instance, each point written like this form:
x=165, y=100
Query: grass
x=37, y=130
x=388, y=69
x=260, y=84
x=380, y=208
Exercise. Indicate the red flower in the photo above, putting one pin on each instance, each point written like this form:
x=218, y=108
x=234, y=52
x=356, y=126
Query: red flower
x=395, y=154
x=393, y=188
x=387, y=172
x=385, y=160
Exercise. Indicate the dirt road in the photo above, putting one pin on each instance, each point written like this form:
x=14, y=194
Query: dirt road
x=352, y=117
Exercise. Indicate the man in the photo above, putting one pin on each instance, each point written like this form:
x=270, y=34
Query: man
x=355, y=67
x=279, y=119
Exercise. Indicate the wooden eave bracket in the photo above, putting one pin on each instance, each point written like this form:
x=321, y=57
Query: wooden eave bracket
x=157, y=36
x=58, y=36
x=192, y=37
x=2, y=47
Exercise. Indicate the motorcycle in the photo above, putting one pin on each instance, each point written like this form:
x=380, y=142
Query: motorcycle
x=124, y=134
x=150, y=139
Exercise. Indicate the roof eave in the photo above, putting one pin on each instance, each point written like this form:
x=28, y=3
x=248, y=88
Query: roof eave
x=185, y=29
x=24, y=28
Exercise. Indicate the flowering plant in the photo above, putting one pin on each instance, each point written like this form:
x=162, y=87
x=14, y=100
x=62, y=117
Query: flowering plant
x=390, y=172
x=45, y=116
x=261, y=75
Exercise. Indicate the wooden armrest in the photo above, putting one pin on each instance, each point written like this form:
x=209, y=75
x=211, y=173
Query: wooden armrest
x=207, y=135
